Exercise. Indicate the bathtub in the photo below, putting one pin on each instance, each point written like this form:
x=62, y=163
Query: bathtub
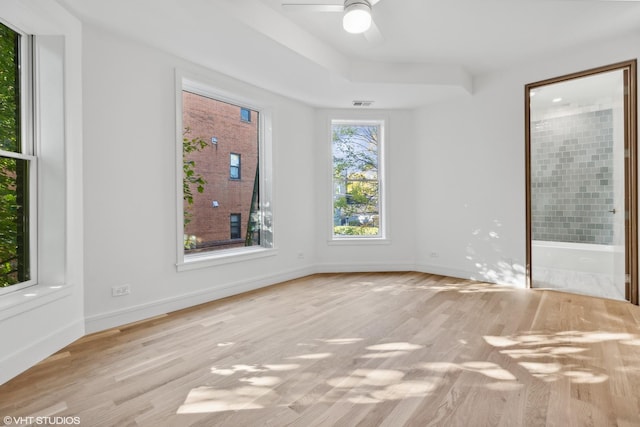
x=585, y=257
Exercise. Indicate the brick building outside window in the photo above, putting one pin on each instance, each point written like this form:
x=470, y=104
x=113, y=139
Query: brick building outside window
x=223, y=215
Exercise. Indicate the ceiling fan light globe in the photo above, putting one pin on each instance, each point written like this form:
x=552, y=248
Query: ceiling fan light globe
x=357, y=18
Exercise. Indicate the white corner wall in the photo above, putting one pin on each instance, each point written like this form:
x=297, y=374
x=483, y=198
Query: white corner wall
x=470, y=167
x=130, y=180
x=41, y=319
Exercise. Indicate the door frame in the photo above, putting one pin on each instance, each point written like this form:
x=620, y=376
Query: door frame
x=630, y=169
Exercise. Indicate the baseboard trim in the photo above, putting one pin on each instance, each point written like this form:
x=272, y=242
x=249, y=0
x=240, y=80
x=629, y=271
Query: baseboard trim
x=445, y=271
x=505, y=278
x=362, y=267
x=102, y=321
x=26, y=357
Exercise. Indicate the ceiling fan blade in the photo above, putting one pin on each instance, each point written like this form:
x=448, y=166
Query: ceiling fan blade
x=304, y=7
x=373, y=34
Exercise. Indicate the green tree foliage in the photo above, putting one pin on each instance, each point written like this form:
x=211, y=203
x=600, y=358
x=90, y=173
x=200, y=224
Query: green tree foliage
x=355, y=174
x=191, y=178
x=12, y=268
x=350, y=230
x=9, y=90
x=355, y=149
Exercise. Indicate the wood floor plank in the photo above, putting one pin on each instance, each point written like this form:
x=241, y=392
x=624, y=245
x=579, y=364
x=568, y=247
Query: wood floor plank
x=358, y=349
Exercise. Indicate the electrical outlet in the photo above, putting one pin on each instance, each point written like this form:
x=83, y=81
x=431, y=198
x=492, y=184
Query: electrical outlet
x=118, y=291
x=434, y=255
x=300, y=255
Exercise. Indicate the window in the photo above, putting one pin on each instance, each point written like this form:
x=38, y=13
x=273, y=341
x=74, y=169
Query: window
x=239, y=223
x=17, y=165
x=245, y=115
x=356, y=151
x=234, y=226
x=234, y=166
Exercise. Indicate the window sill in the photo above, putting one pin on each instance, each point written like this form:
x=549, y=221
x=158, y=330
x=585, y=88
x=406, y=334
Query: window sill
x=26, y=299
x=193, y=262
x=359, y=241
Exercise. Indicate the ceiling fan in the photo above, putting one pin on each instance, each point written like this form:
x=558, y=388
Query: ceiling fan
x=356, y=19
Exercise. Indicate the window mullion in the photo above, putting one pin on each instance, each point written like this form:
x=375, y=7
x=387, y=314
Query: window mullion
x=27, y=95
x=20, y=156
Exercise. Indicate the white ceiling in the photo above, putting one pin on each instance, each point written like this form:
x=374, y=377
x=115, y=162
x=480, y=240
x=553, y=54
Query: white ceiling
x=431, y=49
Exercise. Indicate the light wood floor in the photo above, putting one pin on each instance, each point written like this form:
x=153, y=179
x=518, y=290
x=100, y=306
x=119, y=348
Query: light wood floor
x=380, y=349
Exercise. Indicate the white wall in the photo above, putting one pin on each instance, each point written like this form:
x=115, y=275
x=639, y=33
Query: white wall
x=400, y=186
x=470, y=165
x=130, y=186
x=41, y=319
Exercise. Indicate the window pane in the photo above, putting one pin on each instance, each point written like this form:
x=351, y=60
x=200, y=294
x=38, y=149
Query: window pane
x=356, y=203
x=9, y=90
x=14, y=214
x=245, y=115
x=210, y=197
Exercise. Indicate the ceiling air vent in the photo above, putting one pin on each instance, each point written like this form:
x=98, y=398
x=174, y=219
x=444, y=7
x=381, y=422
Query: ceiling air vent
x=362, y=103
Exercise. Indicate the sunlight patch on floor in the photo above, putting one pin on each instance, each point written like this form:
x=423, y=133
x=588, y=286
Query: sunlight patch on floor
x=262, y=381
x=312, y=356
x=236, y=368
x=490, y=370
x=394, y=346
x=366, y=386
x=407, y=389
x=341, y=341
x=554, y=356
x=362, y=386
x=282, y=367
x=585, y=377
x=209, y=399
x=541, y=369
x=487, y=369
x=384, y=355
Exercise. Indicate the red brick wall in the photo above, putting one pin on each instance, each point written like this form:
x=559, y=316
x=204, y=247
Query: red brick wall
x=207, y=118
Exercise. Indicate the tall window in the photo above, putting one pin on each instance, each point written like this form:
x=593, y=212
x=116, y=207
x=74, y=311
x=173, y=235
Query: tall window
x=234, y=166
x=17, y=165
x=356, y=149
x=221, y=210
x=234, y=226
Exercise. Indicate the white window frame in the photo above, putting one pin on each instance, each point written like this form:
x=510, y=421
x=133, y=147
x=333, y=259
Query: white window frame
x=28, y=152
x=205, y=86
x=383, y=237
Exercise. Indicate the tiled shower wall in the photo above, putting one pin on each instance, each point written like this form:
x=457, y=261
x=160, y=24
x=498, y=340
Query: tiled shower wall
x=572, y=178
